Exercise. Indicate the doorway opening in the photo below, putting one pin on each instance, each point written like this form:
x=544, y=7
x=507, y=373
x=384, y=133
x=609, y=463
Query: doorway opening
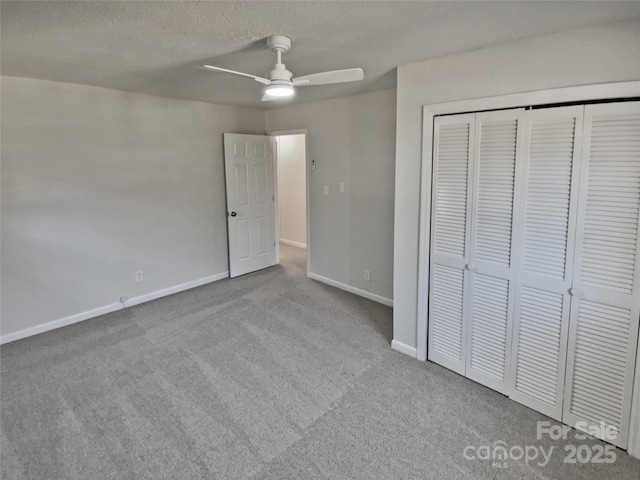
x=292, y=182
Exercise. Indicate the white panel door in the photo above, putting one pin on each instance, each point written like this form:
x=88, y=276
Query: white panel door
x=451, y=204
x=250, y=202
x=491, y=275
x=544, y=257
x=605, y=303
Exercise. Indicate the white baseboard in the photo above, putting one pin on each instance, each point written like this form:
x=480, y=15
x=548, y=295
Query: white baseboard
x=404, y=348
x=79, y=317
x=349, y=288
x=62, y=322
x=293, y=244
x=176, y=289
x=633, y=446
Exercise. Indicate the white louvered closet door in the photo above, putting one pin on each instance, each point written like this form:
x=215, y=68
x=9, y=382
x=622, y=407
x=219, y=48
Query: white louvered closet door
x=605, y=304
x=451, y=204
x=491, y=276
x=544, y=257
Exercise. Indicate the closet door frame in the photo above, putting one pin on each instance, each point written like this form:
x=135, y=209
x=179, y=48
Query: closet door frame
x=584, y=93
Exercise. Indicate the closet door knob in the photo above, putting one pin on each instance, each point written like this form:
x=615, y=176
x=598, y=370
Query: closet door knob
x=471, y=267
x=574, y=292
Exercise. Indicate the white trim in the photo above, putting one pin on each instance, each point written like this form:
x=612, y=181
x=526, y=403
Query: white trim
x=275, y=149
x=293, y=244
x=425, y=235
x=633, y=445
x=175, y=289
x=62, y=322
x=350, y=289
x=581, y=93
x=79, y=317
x=307, y=174
x=403, y=348
x=278, y=133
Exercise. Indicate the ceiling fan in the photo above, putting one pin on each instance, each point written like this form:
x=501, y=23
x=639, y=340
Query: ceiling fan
x=280, y=82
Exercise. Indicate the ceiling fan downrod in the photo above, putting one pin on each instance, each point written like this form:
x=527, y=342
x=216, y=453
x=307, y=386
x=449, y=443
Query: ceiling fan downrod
x=281, y=85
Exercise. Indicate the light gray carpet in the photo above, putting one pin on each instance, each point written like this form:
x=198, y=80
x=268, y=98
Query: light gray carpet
x=271, y=375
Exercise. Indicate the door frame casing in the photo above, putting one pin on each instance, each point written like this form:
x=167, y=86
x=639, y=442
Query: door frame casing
x=583, y=93
x=281, y=133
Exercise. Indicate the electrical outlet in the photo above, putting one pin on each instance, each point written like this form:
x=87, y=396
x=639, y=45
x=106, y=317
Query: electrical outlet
x=367, y=275
x=123, y=299
x=139, y=276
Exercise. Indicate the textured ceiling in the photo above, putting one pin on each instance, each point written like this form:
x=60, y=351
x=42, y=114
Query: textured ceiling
x=154, y=47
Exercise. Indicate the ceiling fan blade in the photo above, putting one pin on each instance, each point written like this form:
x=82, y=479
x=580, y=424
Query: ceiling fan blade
x=266, y=81
x=334, y=76
x=267, y=98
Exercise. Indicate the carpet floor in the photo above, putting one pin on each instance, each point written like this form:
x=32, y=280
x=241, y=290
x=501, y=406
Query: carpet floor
x=267, y=376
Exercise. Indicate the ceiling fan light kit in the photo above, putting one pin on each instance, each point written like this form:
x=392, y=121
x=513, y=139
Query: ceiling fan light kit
x=280, y=82
x=276, y=90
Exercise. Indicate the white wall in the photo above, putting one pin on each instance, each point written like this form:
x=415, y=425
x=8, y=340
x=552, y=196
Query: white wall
x=352, y=140
x=97, y=184
x=292, y=189
x=602, y=54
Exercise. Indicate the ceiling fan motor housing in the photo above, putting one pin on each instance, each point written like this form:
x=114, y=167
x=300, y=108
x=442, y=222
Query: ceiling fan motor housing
x=280, y=74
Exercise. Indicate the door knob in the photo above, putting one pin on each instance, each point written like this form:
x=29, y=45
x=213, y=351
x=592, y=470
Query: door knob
x=574, y=292
x=233, y=214
x=471, y=267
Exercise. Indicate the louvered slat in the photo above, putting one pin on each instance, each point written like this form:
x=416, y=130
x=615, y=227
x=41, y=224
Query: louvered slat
x=446, y=313
x=489, y=326
x=611, y=213
x=548, y=196
x=538, y=358
x=597, y=398
x=494, y=208
x=451, y=189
